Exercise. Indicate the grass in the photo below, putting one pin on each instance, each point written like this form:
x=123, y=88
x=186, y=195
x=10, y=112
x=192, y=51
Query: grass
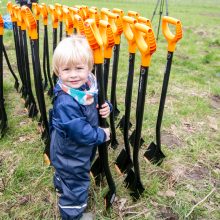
x=190, y=129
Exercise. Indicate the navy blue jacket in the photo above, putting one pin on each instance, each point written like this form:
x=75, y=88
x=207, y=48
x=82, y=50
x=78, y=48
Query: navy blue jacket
x=74, y=137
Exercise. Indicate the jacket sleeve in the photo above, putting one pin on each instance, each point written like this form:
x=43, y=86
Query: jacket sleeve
x=73, y=122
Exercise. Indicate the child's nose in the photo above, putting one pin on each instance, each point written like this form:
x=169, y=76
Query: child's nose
x=73, y=73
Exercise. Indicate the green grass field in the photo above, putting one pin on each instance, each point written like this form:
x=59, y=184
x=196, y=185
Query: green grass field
x=187, y=184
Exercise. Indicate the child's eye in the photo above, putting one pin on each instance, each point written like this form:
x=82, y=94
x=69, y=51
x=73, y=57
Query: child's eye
x=66, y=69
x=79, y=68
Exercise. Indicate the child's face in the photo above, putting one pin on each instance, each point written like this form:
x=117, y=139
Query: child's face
x=74, y=76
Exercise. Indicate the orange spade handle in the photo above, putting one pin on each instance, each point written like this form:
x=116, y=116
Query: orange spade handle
x=9, y=7
x=95, y=40
x=81, y=12
x=65, y=10
x=16, y=9
x=1, y=25
x=68, y=21
x=128, y=27
x=146, y=42
x=23, y=14
x=133, y=14
x=94, y=7
x=36, y=10
x=170, y=37
x=11, y=12
x=50, y=8
x=79, y=24
x=116, y=25
x=107, y=38
x=54, y=16
x=85, y=11
x=20, y=17
x=44, y=13
x=30, y=22
x=95, y=15
x=118, y=11
x=145, y=21
x=104, y=13
x=74, y=10
x=59, y=11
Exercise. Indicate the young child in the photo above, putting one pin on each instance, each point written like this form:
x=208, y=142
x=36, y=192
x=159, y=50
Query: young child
x=74, y=128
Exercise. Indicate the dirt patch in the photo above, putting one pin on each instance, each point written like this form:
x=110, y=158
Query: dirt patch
x=182, y=56
x=153, y=100
x=4, y=155
x=11, y=205
x=176, y=174
x=132, y=211
x=198, y=172
x=201, y=33
x=180, y=90
x=186, y=28
x=212, y=123
x=170, y=140
x=23, y=200
x=215, y=101
x=216, y=172
x=20, y=112
x=167, y=213
x=26, y=138
x=217, y=166
x=189, y=127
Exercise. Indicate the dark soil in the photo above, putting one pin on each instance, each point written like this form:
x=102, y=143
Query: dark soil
x=199, y=172
x=170, y=140
x=215, y=101
x=167, y=214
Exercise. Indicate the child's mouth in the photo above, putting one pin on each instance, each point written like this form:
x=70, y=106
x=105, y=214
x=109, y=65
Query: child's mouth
x=74, y=82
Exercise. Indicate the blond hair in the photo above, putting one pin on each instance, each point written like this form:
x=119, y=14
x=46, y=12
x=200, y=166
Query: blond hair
x=72, y=51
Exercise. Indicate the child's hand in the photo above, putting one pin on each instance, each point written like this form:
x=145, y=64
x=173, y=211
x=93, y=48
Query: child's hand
x=107, y=132
x=104, y=111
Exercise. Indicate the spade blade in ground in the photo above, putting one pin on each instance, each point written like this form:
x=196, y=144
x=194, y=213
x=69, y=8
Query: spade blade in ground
x=129, y=180
x=132, y=138
x=122, y=122
x=137, y=190
x=123, y=162
x=154, y=154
